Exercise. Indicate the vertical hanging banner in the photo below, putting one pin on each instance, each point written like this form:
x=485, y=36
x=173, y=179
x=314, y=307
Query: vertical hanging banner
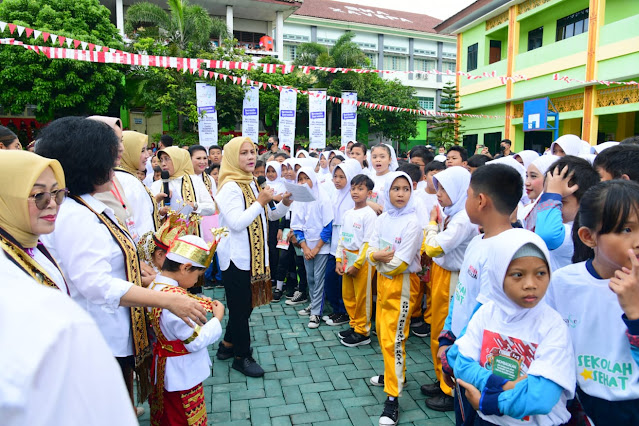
x=349, y=117
x=250, y=113
x=317, y=119
x=207, y=124
x=288, y=112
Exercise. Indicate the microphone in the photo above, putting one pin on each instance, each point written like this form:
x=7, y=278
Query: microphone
x=165, y=187
x=261, y=181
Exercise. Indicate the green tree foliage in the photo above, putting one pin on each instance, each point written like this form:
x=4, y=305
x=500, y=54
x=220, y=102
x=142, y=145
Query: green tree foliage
x=60, y=87
x=446, y=131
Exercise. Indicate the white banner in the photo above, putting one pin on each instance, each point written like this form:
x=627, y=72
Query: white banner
x=317, y=119
x=349, y=117
x=288, y=112
x=251, y=113
x=207, y=125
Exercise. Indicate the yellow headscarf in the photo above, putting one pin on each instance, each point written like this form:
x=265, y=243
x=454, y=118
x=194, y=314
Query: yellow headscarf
x=133, y=144
x=20, y=170
x=181, y=158
x=230, y=168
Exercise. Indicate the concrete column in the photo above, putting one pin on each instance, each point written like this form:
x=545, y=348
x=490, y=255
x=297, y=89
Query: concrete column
x=438, y=98
x=279, y=35
x=313, y=34
x=411, y=58
x=229, y=20
x=119, y=16
x=440, y=54
x=380, y=51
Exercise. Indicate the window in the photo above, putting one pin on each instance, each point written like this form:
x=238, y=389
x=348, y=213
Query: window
x=572, y=25
x=290, y=52
x=535, y=38
x=425, y=65
x=449, y=66
x=373, y=59
x=394, y=63
x=426, y=103
x=472, y=57
x=494, y=55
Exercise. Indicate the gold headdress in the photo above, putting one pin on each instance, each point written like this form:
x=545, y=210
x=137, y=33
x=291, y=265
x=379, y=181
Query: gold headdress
x=176, y=225
x=193, y=249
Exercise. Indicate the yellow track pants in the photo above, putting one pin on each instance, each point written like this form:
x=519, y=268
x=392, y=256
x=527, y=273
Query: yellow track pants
x=441, y=279
x=357, y=293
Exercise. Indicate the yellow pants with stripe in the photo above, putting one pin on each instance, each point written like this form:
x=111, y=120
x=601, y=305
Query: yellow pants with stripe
x=441, y=282
x=424, y=289
x=357, y=293
x=395, y=300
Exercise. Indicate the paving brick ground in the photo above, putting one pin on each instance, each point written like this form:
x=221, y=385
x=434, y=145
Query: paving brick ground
x=312, y=379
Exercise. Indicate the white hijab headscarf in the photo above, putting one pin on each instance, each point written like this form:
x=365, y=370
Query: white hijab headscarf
x=277, y=184
x=302, y=151
x=544, y=162
x=571, y=144
x=455, y=181
x=324, y=170
x=309, y=162
x=603, y=146
x=320, y=211
x=527, y=156
x=344, y=202
x=388, y=206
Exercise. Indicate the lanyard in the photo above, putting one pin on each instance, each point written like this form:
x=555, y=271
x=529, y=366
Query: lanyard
x=117, y=195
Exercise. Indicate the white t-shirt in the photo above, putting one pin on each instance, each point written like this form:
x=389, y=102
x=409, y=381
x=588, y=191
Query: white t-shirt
x=540, y=345
x=604, y=364
x=562, y=255
x=405, y=235
x=357, y=228
x=454, y=240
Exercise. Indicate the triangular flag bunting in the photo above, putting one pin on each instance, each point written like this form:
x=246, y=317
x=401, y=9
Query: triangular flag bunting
x=29, y=31
x=91, y=47
x=76, y=43
x=36, y=34
x=20, y=30
x=54, y=37
x=61, y=40
x=84, y=45
x=3, y=25
x=12, y=28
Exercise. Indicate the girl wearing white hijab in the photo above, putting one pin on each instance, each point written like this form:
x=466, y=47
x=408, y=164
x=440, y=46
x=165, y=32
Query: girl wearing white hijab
x=534, y=186
x=446, y=244
x=275, y=181
x=312, y=224
x=394, y=250
x=302, y=153
x=526, y=157
x=516, y=359
x=383, y=161
x=566, y=145
x=323, y=160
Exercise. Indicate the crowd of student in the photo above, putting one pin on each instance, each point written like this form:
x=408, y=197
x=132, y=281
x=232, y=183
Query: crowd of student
x=523, y=269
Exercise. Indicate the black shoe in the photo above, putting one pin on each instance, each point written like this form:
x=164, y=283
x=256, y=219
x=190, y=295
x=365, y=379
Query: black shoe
x=248, y=367
x=298, y=299
x=339, y=320
x=208, y=284
x=416, y=321
x=356, y=339
x=441, y=403
x=345, y=333
x=225, y=352
x=277, y=295
x=432, y=389
x=421, y=331
x=390, y=415
x=290, y=292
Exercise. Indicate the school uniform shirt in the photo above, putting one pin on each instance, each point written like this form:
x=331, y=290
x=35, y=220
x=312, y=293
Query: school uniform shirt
x=186, y=371
x=428, y=200
x=420, y=210
x=342, y=201
x=93, y=265
x=357, y=228
x=454, y=241
x=57, y=368
x=607, y=365
x=237, y=217
x=315, y=217
x=139, y=201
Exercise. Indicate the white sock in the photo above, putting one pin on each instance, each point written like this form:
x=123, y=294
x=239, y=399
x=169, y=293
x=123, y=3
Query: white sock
x=391, y=398
x=280, y=285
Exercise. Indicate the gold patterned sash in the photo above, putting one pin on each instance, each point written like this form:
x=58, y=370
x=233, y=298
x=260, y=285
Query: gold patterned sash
x=261, y=291
x=207, y=181
x=22, y=260
x=138, y=320
x=156, y=214
x=188, y=195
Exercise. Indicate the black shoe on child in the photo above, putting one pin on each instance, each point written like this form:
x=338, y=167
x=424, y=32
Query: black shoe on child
x=356, y=339
x=390, y=415
x=345, y=333
x=248, y=367
x=422, y=330
x=442, y=402
x=432, y=389
x=277, y=295
x=338, y=319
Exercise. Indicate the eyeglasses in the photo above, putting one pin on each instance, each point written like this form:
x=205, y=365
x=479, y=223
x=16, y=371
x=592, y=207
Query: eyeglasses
x=42, y=199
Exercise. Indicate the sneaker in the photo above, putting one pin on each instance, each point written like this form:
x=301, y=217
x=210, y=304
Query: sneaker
x=290, y=293
x=248, y=367
x=327, y=318
x=377, y=380
x=356, y=339
x=442, y=402
x=345, y=333
x=416, y=321
x=304, y=312
x=314, y=321
x=338, y=320
x=139, y=411
x=421, y=331
x=219, y=285
x=390, y=415
x=431, y=389
x=298, y=299
x=277, y=295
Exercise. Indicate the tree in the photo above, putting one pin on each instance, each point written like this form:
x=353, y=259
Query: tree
x=446, y=130
x=60, y=87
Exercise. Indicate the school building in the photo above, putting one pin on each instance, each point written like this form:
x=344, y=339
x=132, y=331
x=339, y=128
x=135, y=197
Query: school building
x=579, y=39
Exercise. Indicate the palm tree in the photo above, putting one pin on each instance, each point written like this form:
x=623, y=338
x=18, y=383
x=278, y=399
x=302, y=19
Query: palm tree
x=184, y=26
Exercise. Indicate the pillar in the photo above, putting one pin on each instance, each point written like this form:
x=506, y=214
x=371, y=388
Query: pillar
x=313, y=33
x=279, y=35
x=440, y=55
x=229, y=20
x=625, y=125
x=119, y=16
x=380, y=51
x=511, y=53
x=590, y=126
x=411, y=57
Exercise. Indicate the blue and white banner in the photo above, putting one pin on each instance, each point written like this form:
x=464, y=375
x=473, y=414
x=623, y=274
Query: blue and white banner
x=251, y=113
x=288, y=112
x=349, y=117
x=317, y=119
x=207, y=124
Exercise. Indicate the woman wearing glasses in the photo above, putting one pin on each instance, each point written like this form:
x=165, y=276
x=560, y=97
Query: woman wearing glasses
x=28, y=209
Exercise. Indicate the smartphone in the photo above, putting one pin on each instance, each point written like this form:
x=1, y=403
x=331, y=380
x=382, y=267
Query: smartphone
x=479, y=148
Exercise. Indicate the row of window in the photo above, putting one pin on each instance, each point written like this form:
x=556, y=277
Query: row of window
x=568, y=26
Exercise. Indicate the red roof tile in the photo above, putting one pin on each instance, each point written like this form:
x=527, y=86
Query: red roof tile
x=347, y=12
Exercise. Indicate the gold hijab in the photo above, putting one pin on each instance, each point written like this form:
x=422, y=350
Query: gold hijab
x=20, y=170
x=181, y=158
x=133, y=144
x=230, y=168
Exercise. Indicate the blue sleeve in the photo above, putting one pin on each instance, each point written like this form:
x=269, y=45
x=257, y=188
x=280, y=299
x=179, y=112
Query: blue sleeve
x=299, y=235
x=633, y=336
x=448, y=338
x=471, y=372
x=327, y=233
x=550, y=226
x=533, y=395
